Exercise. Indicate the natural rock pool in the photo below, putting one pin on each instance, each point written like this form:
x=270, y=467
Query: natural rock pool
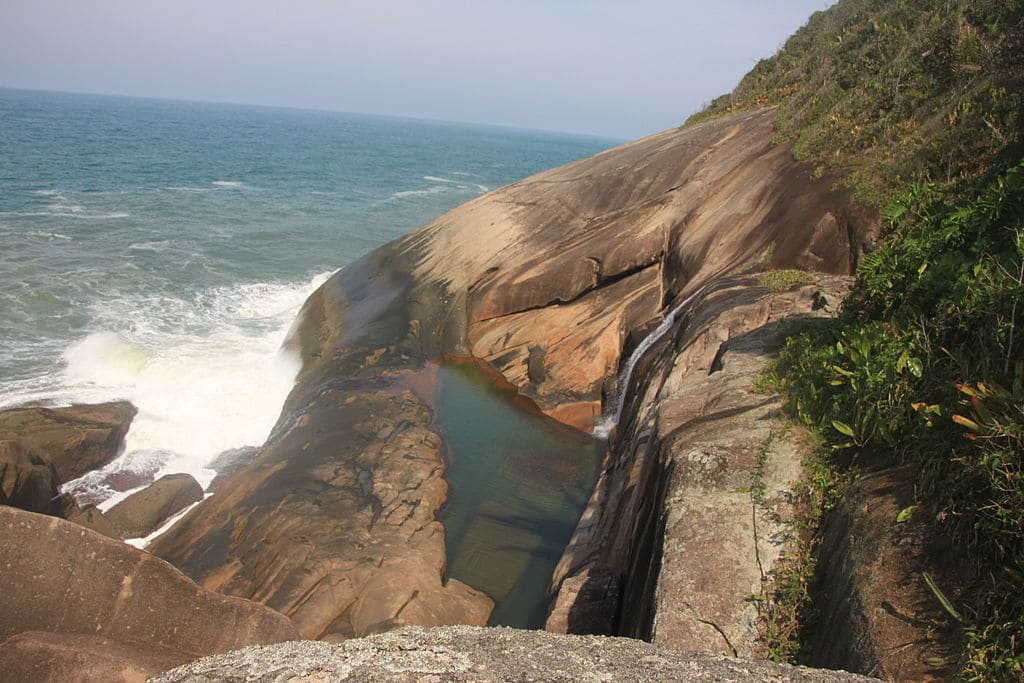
x=518, y=483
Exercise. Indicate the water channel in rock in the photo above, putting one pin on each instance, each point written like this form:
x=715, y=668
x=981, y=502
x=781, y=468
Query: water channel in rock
x=518, y=484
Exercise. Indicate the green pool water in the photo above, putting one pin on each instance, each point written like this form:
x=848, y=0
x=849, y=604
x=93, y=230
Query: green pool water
x=518, y=483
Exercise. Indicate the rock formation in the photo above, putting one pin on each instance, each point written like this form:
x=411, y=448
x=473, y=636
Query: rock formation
x=688, y=519
x=75, y=438
x=463, y=654
x=142, y=513
x=549, y=280
x=27, y=479
x=75, y=601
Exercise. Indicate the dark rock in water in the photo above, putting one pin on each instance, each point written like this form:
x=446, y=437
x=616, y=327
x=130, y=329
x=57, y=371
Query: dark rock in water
x=60, y=578
x=43, y=657
x=64, y=505
x=27, y=480
x=75, y=439
x=876, y=611
x=143, y=512
x=91, y=518
x=463, y=654
x=229, y=462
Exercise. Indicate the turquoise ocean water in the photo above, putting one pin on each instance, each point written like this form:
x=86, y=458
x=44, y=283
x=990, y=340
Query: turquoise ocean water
x=158, y=251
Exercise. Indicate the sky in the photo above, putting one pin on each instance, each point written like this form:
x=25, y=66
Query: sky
x=619, y=69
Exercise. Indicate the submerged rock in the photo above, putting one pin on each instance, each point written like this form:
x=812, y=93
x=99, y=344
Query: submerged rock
x=142, y=513
x=454, y=654
x=75, y=438
x=68, y=582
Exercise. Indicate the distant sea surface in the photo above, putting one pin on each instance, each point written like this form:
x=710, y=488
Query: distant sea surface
x=158, y=251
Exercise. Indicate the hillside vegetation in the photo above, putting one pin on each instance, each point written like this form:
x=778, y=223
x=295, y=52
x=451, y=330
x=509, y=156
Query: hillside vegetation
x=891, y=91
x=916, y=105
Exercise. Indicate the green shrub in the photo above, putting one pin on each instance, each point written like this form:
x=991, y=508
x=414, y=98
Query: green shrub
x=924, y=366
x=782, y=280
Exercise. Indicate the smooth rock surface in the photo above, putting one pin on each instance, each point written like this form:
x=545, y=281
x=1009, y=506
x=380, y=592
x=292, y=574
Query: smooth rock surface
x=60, y=578
x=463, y=654
x=334, y=524
x=144, y=511
x=75, y=438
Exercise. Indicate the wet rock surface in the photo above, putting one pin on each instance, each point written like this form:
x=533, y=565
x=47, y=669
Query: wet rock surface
x=417, y=655
x=75, y=438
x=144, y=511
x=673, y=526
x=67, y=582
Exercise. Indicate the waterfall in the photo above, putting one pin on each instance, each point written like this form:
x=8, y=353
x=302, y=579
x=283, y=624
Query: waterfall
x=605, y=426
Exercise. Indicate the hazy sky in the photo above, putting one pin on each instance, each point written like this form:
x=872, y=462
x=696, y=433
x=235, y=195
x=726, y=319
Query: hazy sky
x=615, y=68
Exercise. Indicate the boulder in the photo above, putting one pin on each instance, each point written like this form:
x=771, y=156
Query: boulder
x=68, y=581
x=463, y=654
x=142, y=513
x=90, y=517
x=75, y=439
x=27, y=480
x=547, y=280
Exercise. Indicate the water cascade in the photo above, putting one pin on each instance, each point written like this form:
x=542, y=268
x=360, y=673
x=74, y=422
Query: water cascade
x=605, y=426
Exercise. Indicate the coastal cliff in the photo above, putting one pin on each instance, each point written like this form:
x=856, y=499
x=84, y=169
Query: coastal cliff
x=552, y=281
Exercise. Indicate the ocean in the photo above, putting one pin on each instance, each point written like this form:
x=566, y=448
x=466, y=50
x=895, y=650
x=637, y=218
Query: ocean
x=158, y=251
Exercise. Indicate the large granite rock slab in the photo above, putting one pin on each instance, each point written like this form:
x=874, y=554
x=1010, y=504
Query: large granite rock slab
x=549, y=280
x=43, y=657
x=464, y=654
x=63, y=579
x=75, y=438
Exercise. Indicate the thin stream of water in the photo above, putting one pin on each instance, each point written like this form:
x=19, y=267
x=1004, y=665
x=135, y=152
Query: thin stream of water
x=604, y=428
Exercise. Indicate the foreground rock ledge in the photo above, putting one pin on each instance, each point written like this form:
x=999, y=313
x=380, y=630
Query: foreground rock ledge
x=463, y=653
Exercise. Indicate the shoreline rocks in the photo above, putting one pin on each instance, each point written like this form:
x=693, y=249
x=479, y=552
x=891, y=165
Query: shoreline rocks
x=144, y=511
x=80, y=598
x=76, y=438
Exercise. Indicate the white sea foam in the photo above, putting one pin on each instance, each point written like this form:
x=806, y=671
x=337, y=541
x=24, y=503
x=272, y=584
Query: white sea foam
x=228, y=183
x=482, y=188
x=435, y=179
x=187, y=188
x=419, y=193
x=216, y=384
x=48, y=235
